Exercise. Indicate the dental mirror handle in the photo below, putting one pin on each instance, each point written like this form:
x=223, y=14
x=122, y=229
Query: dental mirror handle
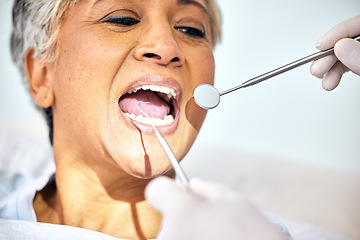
x=207, y=97
x=283, y=69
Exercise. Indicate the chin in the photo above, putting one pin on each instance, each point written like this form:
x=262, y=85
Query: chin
x=145, y=166
x=141, y=154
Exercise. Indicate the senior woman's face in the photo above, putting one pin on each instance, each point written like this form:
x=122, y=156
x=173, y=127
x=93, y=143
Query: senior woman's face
x=114, y=54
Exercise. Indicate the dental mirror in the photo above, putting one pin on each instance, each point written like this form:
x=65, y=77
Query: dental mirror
x=207, y=97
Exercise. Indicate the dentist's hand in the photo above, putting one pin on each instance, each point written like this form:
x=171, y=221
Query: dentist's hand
x=208, y=211
x=347, y=53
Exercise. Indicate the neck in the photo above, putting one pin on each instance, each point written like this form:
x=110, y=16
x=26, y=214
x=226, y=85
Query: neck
x=112, y=203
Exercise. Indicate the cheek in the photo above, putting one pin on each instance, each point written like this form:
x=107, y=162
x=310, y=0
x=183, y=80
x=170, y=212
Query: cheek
x=202, y=67
x=202, y=71
x=210, y=69
x=83, y=79
x=194, y=115
x=87, y=67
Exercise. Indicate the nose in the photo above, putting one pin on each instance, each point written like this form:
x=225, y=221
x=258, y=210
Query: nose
x=158, y=45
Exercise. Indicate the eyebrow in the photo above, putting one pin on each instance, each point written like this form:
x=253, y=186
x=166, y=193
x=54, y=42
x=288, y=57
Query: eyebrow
x=192, y=2
x=181, y=2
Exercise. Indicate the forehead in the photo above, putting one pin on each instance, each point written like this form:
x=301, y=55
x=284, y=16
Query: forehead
x=199, y=3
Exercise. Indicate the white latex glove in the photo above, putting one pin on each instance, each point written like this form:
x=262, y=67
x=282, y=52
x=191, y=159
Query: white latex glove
x=208, y=211
x=347, y=53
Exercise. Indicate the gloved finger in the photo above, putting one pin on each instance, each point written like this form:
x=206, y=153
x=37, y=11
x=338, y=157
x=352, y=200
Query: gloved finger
x=211, y=191
x=332, y=78
x=323, y=65
x=165, y=195
x=349, y=28
x=348, y=52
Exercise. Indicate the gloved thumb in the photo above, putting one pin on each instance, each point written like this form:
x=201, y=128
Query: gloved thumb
x=348, y=52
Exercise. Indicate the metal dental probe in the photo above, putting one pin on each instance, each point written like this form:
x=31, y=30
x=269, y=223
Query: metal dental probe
x=207, y=97
x=180, y=174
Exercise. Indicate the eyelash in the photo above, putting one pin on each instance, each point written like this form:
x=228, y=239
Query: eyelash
x=125, y=21
x=191, y=31
x=129, y=21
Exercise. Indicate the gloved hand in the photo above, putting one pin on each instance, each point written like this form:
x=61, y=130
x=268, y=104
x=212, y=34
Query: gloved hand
x=347, y=53
x=207, y=211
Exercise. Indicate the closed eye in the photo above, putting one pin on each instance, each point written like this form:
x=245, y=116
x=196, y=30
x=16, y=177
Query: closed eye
x=124, y=21
x=194, y=32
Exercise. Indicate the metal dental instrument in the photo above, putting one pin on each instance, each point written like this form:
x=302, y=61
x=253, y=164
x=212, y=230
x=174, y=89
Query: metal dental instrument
x=207, y=97
x=180, y=174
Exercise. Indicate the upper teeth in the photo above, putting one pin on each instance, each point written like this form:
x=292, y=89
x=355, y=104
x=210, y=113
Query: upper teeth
x=156, y=88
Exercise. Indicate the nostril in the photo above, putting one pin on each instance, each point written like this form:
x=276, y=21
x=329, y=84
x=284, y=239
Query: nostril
x=175, y=59
x=152, y=55
x=162, y=59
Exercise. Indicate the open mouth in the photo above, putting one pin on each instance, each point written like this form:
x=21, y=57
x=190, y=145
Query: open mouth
x=161, y=107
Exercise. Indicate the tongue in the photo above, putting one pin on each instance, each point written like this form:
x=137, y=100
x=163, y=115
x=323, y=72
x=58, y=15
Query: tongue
x=157, y=108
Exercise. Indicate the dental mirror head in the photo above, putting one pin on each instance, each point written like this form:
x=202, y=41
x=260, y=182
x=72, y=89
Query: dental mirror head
x=206, y=96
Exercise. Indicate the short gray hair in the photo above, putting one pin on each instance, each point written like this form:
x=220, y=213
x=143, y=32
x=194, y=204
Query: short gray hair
x=36, y=25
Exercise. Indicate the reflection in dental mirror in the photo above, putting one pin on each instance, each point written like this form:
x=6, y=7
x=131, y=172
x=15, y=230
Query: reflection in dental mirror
x=206, y=96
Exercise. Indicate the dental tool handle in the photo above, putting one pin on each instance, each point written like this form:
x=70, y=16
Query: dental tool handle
x=180, y=174
x=283, y=69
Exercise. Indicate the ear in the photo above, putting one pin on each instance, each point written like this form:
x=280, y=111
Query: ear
x=39, y=83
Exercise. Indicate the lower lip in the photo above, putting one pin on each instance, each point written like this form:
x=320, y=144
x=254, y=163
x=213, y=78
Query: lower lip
x=167, y=129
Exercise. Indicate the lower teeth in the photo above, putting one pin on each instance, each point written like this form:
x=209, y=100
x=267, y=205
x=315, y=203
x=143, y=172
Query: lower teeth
x=146, y=120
